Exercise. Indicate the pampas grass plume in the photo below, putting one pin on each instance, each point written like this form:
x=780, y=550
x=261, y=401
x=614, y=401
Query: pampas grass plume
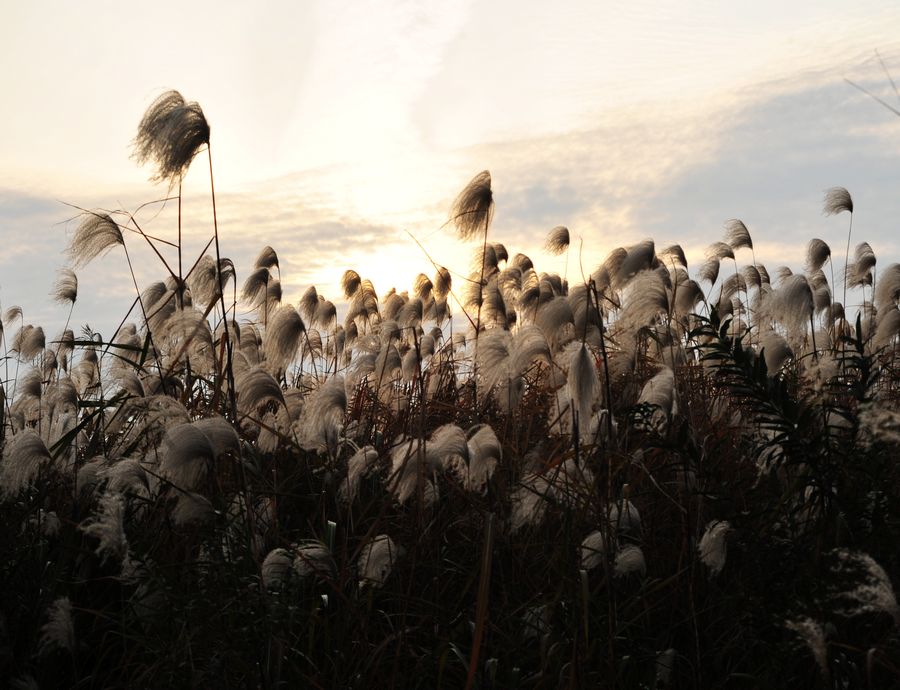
x=23, y=456
x=377, y=559
x=817, y=253
x=837, y=200
x=736, y=234
x=95, y=235
x=107, y=526
x=593, y=550
x=557, y=240
x=712, y=546
x=474, y=207
x=59, y=630
x=170, y=134
x=65, y=290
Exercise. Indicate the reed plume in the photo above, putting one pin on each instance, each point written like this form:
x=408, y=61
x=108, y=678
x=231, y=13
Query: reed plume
x=557, y=240
x=473, y=208
x=95, y=235
x=170, y=134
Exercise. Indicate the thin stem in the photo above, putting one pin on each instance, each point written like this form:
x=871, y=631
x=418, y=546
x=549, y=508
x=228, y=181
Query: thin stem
x=229, y=372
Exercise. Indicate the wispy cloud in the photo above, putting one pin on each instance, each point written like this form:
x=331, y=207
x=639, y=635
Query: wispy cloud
x=763, y=154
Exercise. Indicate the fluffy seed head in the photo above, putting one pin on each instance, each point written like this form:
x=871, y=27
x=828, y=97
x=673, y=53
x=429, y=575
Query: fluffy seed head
x=674, y=253
x=473, y=208
x=736, y=234
x=95, y=235
x=630, y=561
x=283, y=336
x=709, y=270
x=719, y=250
x=593, y=549
x=170, y=134
x=376, y=560
x=23, y=457
x=59, y=631
x=442, y=282
x=186, y=457
x=267, y=258
x=712, y=547
x=107, y=526
x=874, y=593
x=582, y=384
x=65, y=290
x=276, y=568
x=557, y=240
x=837, y=200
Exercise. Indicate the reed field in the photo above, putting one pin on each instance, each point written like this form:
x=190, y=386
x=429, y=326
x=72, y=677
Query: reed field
x=647, y=476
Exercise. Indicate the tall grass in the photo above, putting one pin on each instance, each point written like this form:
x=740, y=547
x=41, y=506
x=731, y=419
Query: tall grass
x=630, y=483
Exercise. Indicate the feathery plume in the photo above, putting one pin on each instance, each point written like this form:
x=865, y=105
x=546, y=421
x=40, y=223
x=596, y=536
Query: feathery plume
x=837, y=200
x=874, y=593
x=376, y=560
x=255, y=387
x=204, y=280
x=221, y=436
x=752, y=277
x=28, y=342
x=817, y=253
x=283, y=336
x=170, y=134
x=313, y=558
x=59, y=630
x=529, y=502
x=309, y=302
x=709, y=270
x=255, y=288
x=793, y=303
x=719, y=250
x=321, y=420
x=860, y=271
x=350, y=282
x=473, y=208
x=95, y=235
x=485, y=453
x=557, y=240
x=775, y=350
x=593, y=550
x=360, y=464
x=522, y=262
x=325, y=315
x=186, y=456
x=630, y=561
x=638, y=257
x=443, y=281
x=625, y=519
x=887, y=291
x=813, y=635
x=23, y=456
x=582, y=384
x=267, y=258
x=65, y=290
x=107, y=526
x=423, y=287
x=887, y=329
x=675, y=254
x=712, y=546
x=736, y=235
x=276, y=568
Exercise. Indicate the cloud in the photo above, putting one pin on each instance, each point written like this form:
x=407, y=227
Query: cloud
x=764, y=154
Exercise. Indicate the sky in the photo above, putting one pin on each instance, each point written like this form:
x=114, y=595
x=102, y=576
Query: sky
x=342, y=131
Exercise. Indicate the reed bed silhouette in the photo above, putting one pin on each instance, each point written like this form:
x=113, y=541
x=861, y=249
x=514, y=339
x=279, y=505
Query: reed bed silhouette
x=633, y=478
